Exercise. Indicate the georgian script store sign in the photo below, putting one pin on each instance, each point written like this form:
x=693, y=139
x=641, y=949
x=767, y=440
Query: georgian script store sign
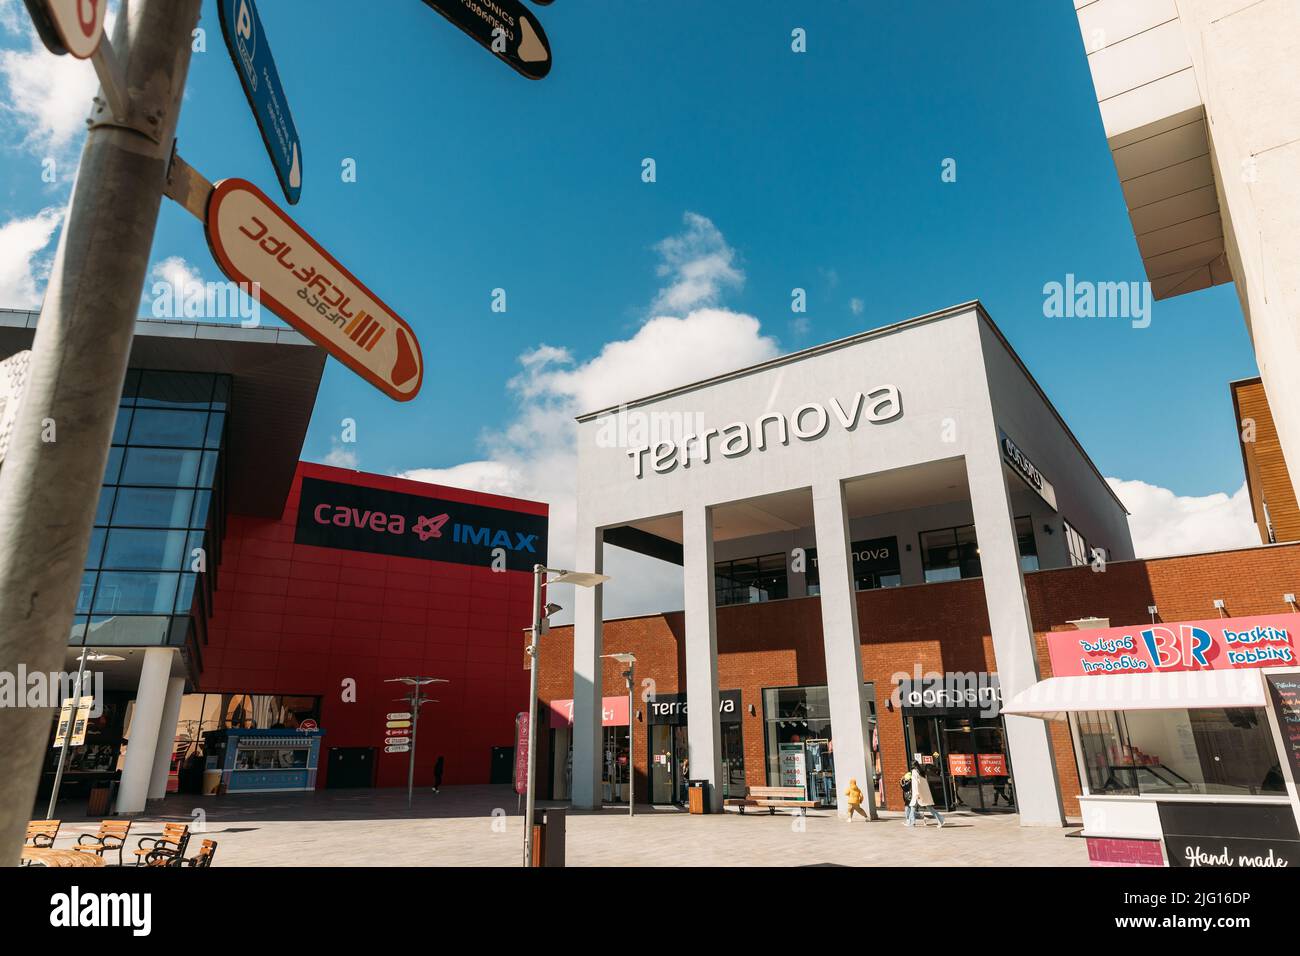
x=255, y=242
x=1026, y=469
x=356, y=518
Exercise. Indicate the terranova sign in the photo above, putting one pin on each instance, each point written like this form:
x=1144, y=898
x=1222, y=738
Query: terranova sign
x=251, y=54
x=808, y=422
x=254, y=241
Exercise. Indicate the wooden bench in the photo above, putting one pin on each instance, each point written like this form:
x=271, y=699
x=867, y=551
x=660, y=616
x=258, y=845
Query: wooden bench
x=203, y=858
x=773, y=798
x=42, y=833
x=166, y=850
x=110, y=836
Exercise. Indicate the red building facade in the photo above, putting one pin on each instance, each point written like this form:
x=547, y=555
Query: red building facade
x=365, y=578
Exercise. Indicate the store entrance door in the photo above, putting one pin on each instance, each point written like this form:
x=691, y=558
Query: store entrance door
x=965, y=761
x=350, y=767
x=667, y=764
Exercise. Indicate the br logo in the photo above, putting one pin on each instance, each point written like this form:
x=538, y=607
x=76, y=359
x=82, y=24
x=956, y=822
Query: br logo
x=1191, y=649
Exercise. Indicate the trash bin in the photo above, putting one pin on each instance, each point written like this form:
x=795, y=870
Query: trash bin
x=100, y=798
x=548, y=837
x=211, y=782
x=698, y=796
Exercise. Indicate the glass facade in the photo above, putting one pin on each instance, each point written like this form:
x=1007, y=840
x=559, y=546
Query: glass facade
x=951, y=554
x=1203, y=751
x=751, y=580
x=157, y=536
x=1076, y=545
x=797, y=725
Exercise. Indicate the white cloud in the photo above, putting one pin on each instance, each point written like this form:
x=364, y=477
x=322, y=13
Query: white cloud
x=698, y=265
x=856, y=305
x=341, y=457
x=177, y=273
x=23, y=263
x=534, y=455
x=1164, y=523
x=47, y=97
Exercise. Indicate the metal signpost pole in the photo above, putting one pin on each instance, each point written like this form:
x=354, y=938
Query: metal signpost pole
x=49, y=485
x=631, y=725
x=415, y=737
x=67, y=738
x=533, y=648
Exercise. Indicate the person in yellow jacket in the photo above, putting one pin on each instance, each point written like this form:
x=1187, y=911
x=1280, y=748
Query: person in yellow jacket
x=854, y=794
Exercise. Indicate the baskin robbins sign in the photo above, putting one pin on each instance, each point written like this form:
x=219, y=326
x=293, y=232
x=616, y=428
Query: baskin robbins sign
x=1230, y=643
x=356, y=518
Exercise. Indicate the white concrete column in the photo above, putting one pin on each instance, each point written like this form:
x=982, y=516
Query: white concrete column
x=162, y=753
x=588, y=645
x=150, y=700
x=850, y=721
x=1033, y=763
x=703, y=724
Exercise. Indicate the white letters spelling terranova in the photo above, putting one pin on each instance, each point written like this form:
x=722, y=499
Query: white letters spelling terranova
x=807, y=423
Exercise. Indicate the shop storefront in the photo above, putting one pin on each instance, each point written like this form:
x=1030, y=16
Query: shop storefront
x=799, y=742
x=614, y=749
x=952, y=724
x=669, y=763
x=1187, y=737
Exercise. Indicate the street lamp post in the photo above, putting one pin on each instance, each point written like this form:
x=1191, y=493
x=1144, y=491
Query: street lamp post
x=585, y=579
x=628, y=675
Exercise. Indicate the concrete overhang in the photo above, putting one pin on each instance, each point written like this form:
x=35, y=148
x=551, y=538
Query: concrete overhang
x=275, y=372
x=1154, y=118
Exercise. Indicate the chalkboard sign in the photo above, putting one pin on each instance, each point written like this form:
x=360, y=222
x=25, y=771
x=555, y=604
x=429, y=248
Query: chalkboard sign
x=1285, y=692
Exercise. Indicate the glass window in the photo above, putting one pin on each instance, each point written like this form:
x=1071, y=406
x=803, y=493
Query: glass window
x=105, y=508
x=751, y=580
x=950, y=554
x=113, y=467
x=797, y=729
x=96, y=551
x=185, y=594
x=85, y=592
x=153, y=508
x=175, y=389
x=1076, y=545
x=202, y=503
x=1202, y=751
x=221, y=392
x=144, y=550
x=160, y=466
x=1025, y=541
x=127, y=631
x=215, y=425
x=165, y=426
x=122, y=426
x=128, y=592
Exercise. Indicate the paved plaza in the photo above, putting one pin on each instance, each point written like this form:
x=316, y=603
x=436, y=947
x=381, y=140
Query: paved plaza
x=481, y=826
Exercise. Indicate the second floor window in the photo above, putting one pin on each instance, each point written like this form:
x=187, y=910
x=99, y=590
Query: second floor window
x=751, y=580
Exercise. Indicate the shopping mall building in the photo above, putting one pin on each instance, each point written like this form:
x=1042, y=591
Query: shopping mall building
x=259, y=604
x=886, y=544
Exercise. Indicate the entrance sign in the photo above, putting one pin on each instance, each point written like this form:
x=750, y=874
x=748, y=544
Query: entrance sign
x=254, y=241
x=69, y=26
x=504, y=28
x=251, y=54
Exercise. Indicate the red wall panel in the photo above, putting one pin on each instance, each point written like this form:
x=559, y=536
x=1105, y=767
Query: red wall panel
x=298, y=619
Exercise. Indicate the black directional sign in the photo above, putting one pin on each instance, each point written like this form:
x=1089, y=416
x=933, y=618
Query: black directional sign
x=504, y=28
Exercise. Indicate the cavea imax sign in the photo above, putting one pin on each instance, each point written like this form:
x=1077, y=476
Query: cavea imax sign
x=806, y=423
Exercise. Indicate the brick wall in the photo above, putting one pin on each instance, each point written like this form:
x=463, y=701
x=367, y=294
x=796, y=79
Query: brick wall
x=936, y=627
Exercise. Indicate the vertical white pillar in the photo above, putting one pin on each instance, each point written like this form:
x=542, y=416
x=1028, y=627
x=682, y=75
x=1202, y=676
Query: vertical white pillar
x=150, y=699
x=588, y=645
x=162, y=753
x=1033, y=763
x=703, y=723
x=850, y=723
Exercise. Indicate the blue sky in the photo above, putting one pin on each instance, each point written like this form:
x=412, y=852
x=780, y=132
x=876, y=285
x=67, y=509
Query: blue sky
x=818, y=170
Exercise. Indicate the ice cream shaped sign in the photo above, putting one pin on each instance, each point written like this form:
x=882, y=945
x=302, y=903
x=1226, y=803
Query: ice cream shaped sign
x=255, y=241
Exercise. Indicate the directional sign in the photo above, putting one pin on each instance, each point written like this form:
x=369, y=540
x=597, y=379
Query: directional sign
x=406, y=716
x=254, y=240
x=397, y=750
x=246, y=41
x=69, y=26
x=504, y=28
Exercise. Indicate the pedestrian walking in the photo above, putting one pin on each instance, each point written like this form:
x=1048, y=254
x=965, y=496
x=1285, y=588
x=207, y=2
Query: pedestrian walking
x=437, y=774
x=905, y=784
x=854, y=794
x=922, y=800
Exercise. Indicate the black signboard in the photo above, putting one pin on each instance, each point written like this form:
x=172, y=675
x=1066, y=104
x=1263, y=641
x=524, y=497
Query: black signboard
x=1284, y=689
x=670, y=709
x=505, y=29
x=877, y=556
x=356, y=518
x=1230, y=835
x=958, y=693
